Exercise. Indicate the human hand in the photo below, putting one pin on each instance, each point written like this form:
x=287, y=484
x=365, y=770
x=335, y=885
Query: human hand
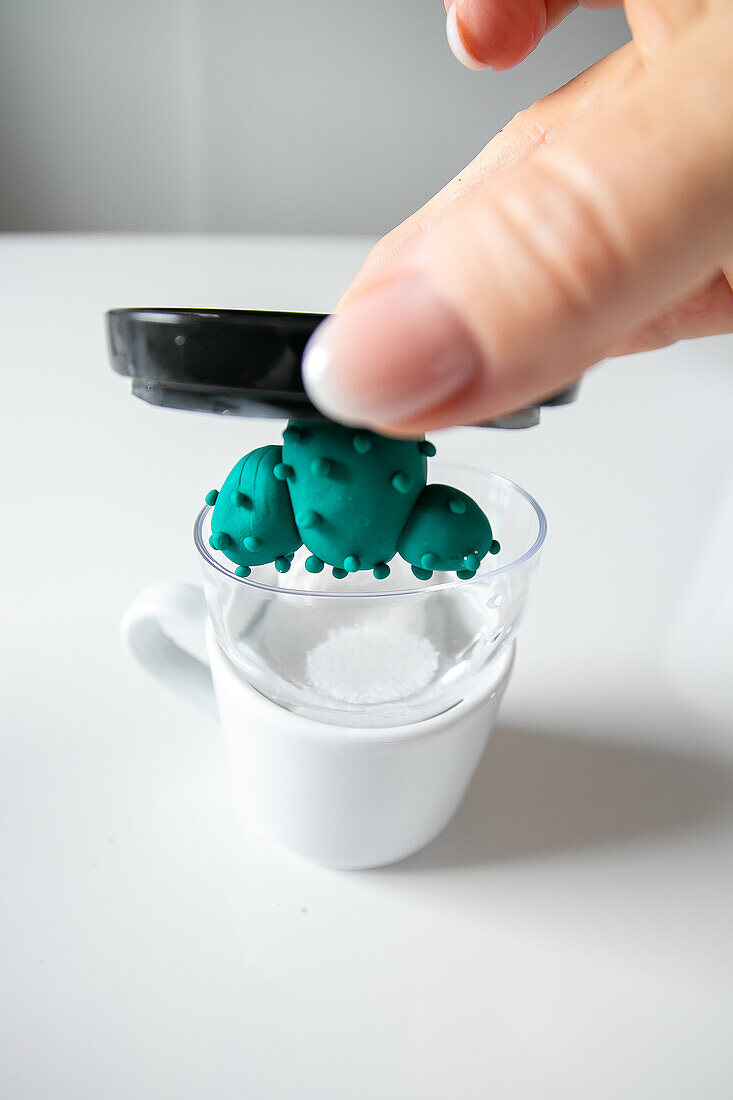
x=597, y=223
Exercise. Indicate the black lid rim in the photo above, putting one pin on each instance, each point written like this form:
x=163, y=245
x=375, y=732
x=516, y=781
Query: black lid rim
x=170, y=315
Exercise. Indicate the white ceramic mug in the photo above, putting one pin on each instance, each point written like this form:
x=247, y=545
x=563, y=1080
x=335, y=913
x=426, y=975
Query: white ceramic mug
x=342, y=796
x=355, y=711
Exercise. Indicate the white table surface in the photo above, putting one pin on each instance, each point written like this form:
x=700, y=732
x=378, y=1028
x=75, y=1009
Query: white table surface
x=568, y=935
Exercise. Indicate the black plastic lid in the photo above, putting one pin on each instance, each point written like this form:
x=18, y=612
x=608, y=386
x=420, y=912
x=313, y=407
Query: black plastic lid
x=240, y=362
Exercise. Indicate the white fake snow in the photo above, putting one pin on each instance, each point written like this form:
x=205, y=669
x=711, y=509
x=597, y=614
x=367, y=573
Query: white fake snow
x=371, y=664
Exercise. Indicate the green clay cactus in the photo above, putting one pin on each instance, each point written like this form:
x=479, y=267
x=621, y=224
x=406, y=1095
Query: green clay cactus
x=354, y=499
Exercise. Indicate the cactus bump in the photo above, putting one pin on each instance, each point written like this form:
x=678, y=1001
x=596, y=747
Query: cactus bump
x=354, y=499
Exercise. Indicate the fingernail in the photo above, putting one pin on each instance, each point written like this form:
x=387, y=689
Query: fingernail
x=456, y=43
x=390, y=356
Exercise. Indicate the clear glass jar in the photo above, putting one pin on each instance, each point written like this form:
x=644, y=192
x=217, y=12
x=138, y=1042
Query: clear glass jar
x=368, y=653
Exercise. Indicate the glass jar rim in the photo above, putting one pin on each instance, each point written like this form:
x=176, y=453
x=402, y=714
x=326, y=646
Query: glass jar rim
x=203, y=549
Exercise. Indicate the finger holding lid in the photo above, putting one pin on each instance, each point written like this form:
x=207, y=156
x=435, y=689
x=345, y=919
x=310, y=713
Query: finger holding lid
x=498, y=34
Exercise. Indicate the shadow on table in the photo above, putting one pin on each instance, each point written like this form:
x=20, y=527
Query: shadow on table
x=538, y=793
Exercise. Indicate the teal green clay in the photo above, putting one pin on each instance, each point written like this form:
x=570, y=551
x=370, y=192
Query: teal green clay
x=447, y=531
x=354, y=499
x=252, y=522
x=351, y=491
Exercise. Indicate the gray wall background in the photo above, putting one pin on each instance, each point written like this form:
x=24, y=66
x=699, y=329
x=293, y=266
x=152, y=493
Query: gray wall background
x=302, y=116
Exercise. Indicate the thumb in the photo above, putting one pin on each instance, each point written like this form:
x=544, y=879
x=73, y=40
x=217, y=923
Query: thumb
x=500, y=33
x=539, y=273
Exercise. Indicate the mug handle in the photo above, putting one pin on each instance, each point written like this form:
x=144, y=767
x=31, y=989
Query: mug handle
x=150, y=631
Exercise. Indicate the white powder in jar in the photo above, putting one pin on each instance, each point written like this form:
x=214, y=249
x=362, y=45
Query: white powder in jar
x=371, y=664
